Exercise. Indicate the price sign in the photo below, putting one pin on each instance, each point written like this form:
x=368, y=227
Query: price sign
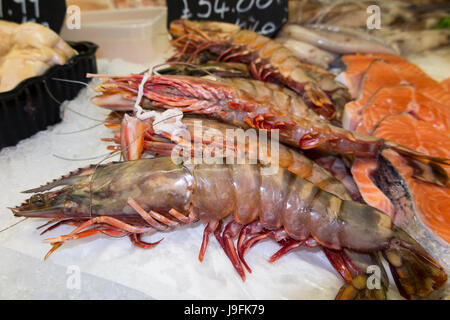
x=263, y=16
x=49, y=13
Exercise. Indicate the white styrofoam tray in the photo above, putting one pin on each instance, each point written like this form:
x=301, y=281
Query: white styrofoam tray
x=134, y=35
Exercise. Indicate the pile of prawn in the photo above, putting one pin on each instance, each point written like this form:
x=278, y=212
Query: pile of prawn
x=310, y=200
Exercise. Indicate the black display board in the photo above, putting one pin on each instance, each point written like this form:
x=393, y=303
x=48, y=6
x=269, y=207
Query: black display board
x=49, y=13
x=263, y=16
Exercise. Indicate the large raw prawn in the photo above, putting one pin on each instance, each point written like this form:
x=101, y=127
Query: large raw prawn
x=251, y=103
x=268, y=61
x=135, y=137
x=145, y=196
x=158, y=135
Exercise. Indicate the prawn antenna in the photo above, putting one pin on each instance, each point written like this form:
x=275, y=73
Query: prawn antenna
x=65, y=106
x=81, y=159
x=14, y=224
x=71, y=81
x=81, y=130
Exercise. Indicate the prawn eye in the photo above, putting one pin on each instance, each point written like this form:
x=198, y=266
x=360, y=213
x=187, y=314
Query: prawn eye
x=38, y=200
x=69, y=204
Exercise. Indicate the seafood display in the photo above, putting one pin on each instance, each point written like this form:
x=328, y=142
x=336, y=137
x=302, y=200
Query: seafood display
x=202, y=96
x=328, y=138
x=28, y=50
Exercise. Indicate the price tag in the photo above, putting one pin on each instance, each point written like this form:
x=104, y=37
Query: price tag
x=49, y=13
x=263, y=16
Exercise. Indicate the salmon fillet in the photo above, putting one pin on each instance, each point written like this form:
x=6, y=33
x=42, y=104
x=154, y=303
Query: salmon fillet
x=402, y=98
x=372, y=80
x=357, y=64
x=381, y=74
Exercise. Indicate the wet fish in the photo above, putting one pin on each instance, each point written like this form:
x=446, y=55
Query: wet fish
x=337, y=39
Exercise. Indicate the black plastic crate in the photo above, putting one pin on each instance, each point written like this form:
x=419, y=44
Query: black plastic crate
x=32, y=106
